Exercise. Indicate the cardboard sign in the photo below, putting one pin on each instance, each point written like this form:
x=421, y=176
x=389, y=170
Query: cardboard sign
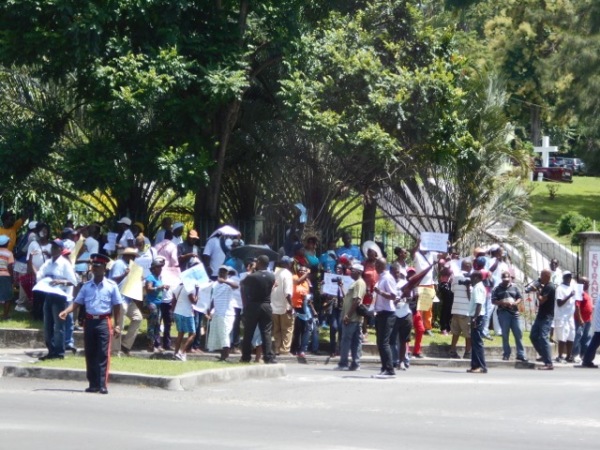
x=330, y=287
x=434, y=242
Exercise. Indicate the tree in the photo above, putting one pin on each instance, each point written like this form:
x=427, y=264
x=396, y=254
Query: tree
x=378, y=87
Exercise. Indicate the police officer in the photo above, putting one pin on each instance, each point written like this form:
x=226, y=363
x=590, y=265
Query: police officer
x=101, y=298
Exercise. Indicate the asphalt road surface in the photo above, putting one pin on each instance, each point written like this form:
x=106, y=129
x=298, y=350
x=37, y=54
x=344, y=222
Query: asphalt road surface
x=314, y=408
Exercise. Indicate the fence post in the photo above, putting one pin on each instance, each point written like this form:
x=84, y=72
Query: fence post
x=590, y=243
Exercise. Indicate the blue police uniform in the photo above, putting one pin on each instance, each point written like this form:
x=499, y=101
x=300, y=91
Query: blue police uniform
x=99, y=300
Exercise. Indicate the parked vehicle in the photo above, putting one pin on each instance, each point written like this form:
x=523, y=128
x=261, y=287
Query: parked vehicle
x=574, y=164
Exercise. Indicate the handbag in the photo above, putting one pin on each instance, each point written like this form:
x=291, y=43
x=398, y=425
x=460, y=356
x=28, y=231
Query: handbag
x=363, y=311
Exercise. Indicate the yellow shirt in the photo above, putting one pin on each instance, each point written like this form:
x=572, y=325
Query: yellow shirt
x=12, y=233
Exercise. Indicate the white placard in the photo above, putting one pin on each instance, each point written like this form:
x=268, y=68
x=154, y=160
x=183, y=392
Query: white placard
x=434, y=242
x=44, y=285
x=331, y=287
x=111, y=244
x=195, y=276
x=203, y=299
x=579, y=292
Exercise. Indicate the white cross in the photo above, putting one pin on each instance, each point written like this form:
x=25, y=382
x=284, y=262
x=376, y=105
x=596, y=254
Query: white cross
x=545, y=150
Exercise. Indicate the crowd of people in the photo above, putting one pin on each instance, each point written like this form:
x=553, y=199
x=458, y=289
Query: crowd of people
x=279, y=302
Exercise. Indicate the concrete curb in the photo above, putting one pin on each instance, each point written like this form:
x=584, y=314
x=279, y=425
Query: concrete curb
x=178, y=383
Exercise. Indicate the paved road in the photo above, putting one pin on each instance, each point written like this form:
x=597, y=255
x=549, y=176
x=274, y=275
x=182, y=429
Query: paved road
x=314, y=408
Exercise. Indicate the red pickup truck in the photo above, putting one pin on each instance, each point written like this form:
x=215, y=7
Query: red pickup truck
x=559, y=174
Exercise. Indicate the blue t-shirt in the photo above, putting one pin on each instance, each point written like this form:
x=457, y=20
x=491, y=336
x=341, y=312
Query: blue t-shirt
x=352, y=251
x=154, y=296
x=328, y=262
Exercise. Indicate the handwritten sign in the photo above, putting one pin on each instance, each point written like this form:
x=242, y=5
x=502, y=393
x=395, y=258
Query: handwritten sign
x=330, y=287
x=434, y=242
x=133, y=284
x=195, y=276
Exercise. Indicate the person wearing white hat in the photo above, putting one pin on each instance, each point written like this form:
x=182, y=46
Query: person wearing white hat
x=126, y=237
x=564, y=317
x=351, y=321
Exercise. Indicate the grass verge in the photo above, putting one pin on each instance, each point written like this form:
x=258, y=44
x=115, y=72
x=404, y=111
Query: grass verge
x=582, y=196
x=138, y=365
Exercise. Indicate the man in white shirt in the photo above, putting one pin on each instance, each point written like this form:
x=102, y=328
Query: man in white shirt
x=283, y=312
x=460, y=324
x=477, y=312
x=127, y=238
x=214, y=255
x=384, y=316
x=59, y=273
x=403, y=325
x=564, y=321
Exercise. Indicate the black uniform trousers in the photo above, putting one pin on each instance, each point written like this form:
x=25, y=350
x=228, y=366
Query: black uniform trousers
x=97, y=336
x=260, y=314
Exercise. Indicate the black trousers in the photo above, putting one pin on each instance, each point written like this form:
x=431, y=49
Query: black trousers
x=446, y=297
x=384, y=324
x=258, y=314
x=97, y=336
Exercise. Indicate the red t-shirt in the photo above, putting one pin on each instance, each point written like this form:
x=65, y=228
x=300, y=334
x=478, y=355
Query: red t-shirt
x=585, y=306
x=371, y=278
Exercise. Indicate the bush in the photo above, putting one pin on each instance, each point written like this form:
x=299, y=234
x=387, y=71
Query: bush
x=585, y=225
x=568, y=222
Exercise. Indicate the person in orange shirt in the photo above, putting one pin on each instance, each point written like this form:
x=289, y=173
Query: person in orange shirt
x=10, y=226
x=300, y=303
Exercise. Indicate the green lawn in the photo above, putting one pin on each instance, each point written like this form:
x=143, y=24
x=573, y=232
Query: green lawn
x=582, y=196
x=158, y=367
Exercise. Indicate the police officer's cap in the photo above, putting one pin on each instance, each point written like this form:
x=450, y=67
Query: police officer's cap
x=99, y=260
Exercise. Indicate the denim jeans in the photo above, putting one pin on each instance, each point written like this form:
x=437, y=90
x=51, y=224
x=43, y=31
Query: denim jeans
x=69, y=328
x=54, y=327
x=540, y=331
x=400, y=332
x=590, y=353
x=334, y=330
x=384, y=324
x=489, y=307
x=302, y=331
x=582, y=339
x=350, y=344
x=477, y=352
x=510, y=322
x=198, y=317
x=166, y=314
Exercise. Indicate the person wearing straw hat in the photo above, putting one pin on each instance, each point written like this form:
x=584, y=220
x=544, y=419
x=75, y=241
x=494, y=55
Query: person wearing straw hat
x=102, y=299
x=131, y=308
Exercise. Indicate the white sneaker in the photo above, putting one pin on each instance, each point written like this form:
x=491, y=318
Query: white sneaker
x=179, y=356
x=20, y=308
x=183, y=356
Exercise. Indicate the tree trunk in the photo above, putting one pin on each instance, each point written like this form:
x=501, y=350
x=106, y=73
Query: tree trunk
x=368, y=220
x=536, y=125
